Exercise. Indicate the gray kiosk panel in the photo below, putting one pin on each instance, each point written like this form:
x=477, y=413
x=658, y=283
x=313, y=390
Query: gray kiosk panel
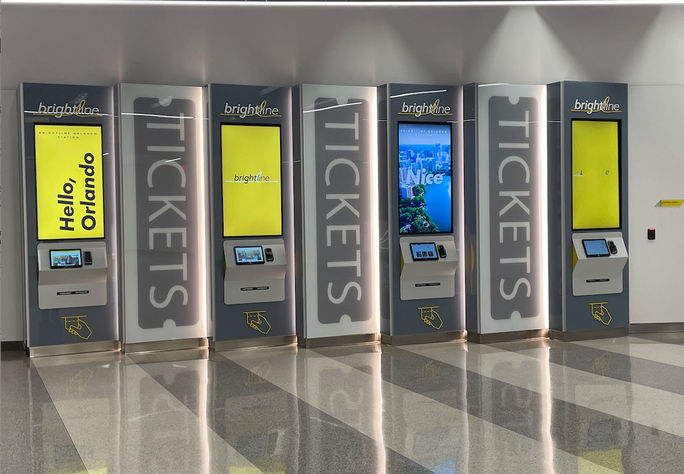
x=601, y=257
x=255, y=271
x=428, y=272
x=72, y=274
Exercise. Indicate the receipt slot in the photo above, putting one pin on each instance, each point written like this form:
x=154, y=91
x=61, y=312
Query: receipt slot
x=428, y=269
x=255, y=271
x=71, y=277
x=600, y=259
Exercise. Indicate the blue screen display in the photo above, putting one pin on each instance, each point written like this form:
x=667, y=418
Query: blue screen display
x=425, y=178
x=424, y=251
x=249, y=255
x=65, y=259
x=595, y=247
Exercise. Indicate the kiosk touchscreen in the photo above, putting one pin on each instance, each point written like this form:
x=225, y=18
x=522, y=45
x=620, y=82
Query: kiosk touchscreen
x=255, y=268
x=65, y=259
x=72, y=258
x=595, y=247
x=427, y=249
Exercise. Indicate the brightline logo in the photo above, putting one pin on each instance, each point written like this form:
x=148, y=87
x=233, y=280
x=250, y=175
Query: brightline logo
x=262, y=110
x=590, y=107
x=251, y=178
x=66, y=110
x=419, y=110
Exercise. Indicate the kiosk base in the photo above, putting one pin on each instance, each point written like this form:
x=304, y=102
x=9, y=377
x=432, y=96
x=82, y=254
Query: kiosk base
x=423, y=338
x=641, y=328
x=592, y=334
x=252, y=343
x=78, y=348
x=171, y=345
x=312, y=343
x=509, y=336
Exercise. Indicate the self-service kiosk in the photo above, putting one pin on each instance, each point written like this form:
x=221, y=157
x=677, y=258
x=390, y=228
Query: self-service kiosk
x=505, y=214
x=420, y=214
x=69, y=218
x=588, y=219
x=252, y=233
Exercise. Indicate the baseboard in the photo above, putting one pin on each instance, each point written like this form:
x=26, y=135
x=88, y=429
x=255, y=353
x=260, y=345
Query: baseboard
x=252, y=343
x=78, y=348
x=12, y=346
x=591, y=334
x=315, y=342
x=491, y=338
x=172, y=345
x=640, y=328
x=423, y=338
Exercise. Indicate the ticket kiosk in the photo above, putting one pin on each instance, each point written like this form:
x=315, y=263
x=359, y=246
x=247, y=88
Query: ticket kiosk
x=588, y=219
x=251, y=204
x=69, y=218
x=420, y=183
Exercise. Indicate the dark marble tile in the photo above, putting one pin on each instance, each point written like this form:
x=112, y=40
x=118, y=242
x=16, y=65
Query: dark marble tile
x=574, y=429
x=32, y=435
x=272, y=428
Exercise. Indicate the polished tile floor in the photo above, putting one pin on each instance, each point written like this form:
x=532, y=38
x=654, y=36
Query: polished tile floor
x=535, y=406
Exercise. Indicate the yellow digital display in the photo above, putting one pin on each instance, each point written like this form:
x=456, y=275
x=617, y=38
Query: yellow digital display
x=250, y=162
x=69, y=195
x=595, y=175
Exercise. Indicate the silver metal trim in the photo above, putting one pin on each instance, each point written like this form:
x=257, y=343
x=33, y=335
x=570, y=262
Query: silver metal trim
x=642, y=328
x=586, y=335
x=339, y=340
x=508, y=336
x=173, y=345
x=424, y=338
x=78, y=348
x=252, y=343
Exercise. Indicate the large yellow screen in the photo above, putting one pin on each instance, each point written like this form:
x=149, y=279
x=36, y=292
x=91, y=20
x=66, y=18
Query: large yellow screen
x=251, y=180
x=595, y=175
x=69, y=181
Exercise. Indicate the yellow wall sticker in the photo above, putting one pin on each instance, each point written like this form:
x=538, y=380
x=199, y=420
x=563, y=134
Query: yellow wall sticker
x=595, y=175
x=251, y=180
x=671, y=202
x=69, y=182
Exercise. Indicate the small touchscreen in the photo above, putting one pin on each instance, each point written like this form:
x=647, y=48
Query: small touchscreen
x=424, y=251
x=65, y=259
x=596, y=247
x=249, y=255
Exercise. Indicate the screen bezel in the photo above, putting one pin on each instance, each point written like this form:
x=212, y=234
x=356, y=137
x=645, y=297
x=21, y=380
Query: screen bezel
x=104, y=181
x=451, y=159
x=58, y=267
x=619, y=166
x=422, y=259
x=261, y=249
x=280, y=162
x=584, y=245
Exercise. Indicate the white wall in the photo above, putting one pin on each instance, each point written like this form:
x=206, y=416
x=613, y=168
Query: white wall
x=270, y=43
x=656, y=168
